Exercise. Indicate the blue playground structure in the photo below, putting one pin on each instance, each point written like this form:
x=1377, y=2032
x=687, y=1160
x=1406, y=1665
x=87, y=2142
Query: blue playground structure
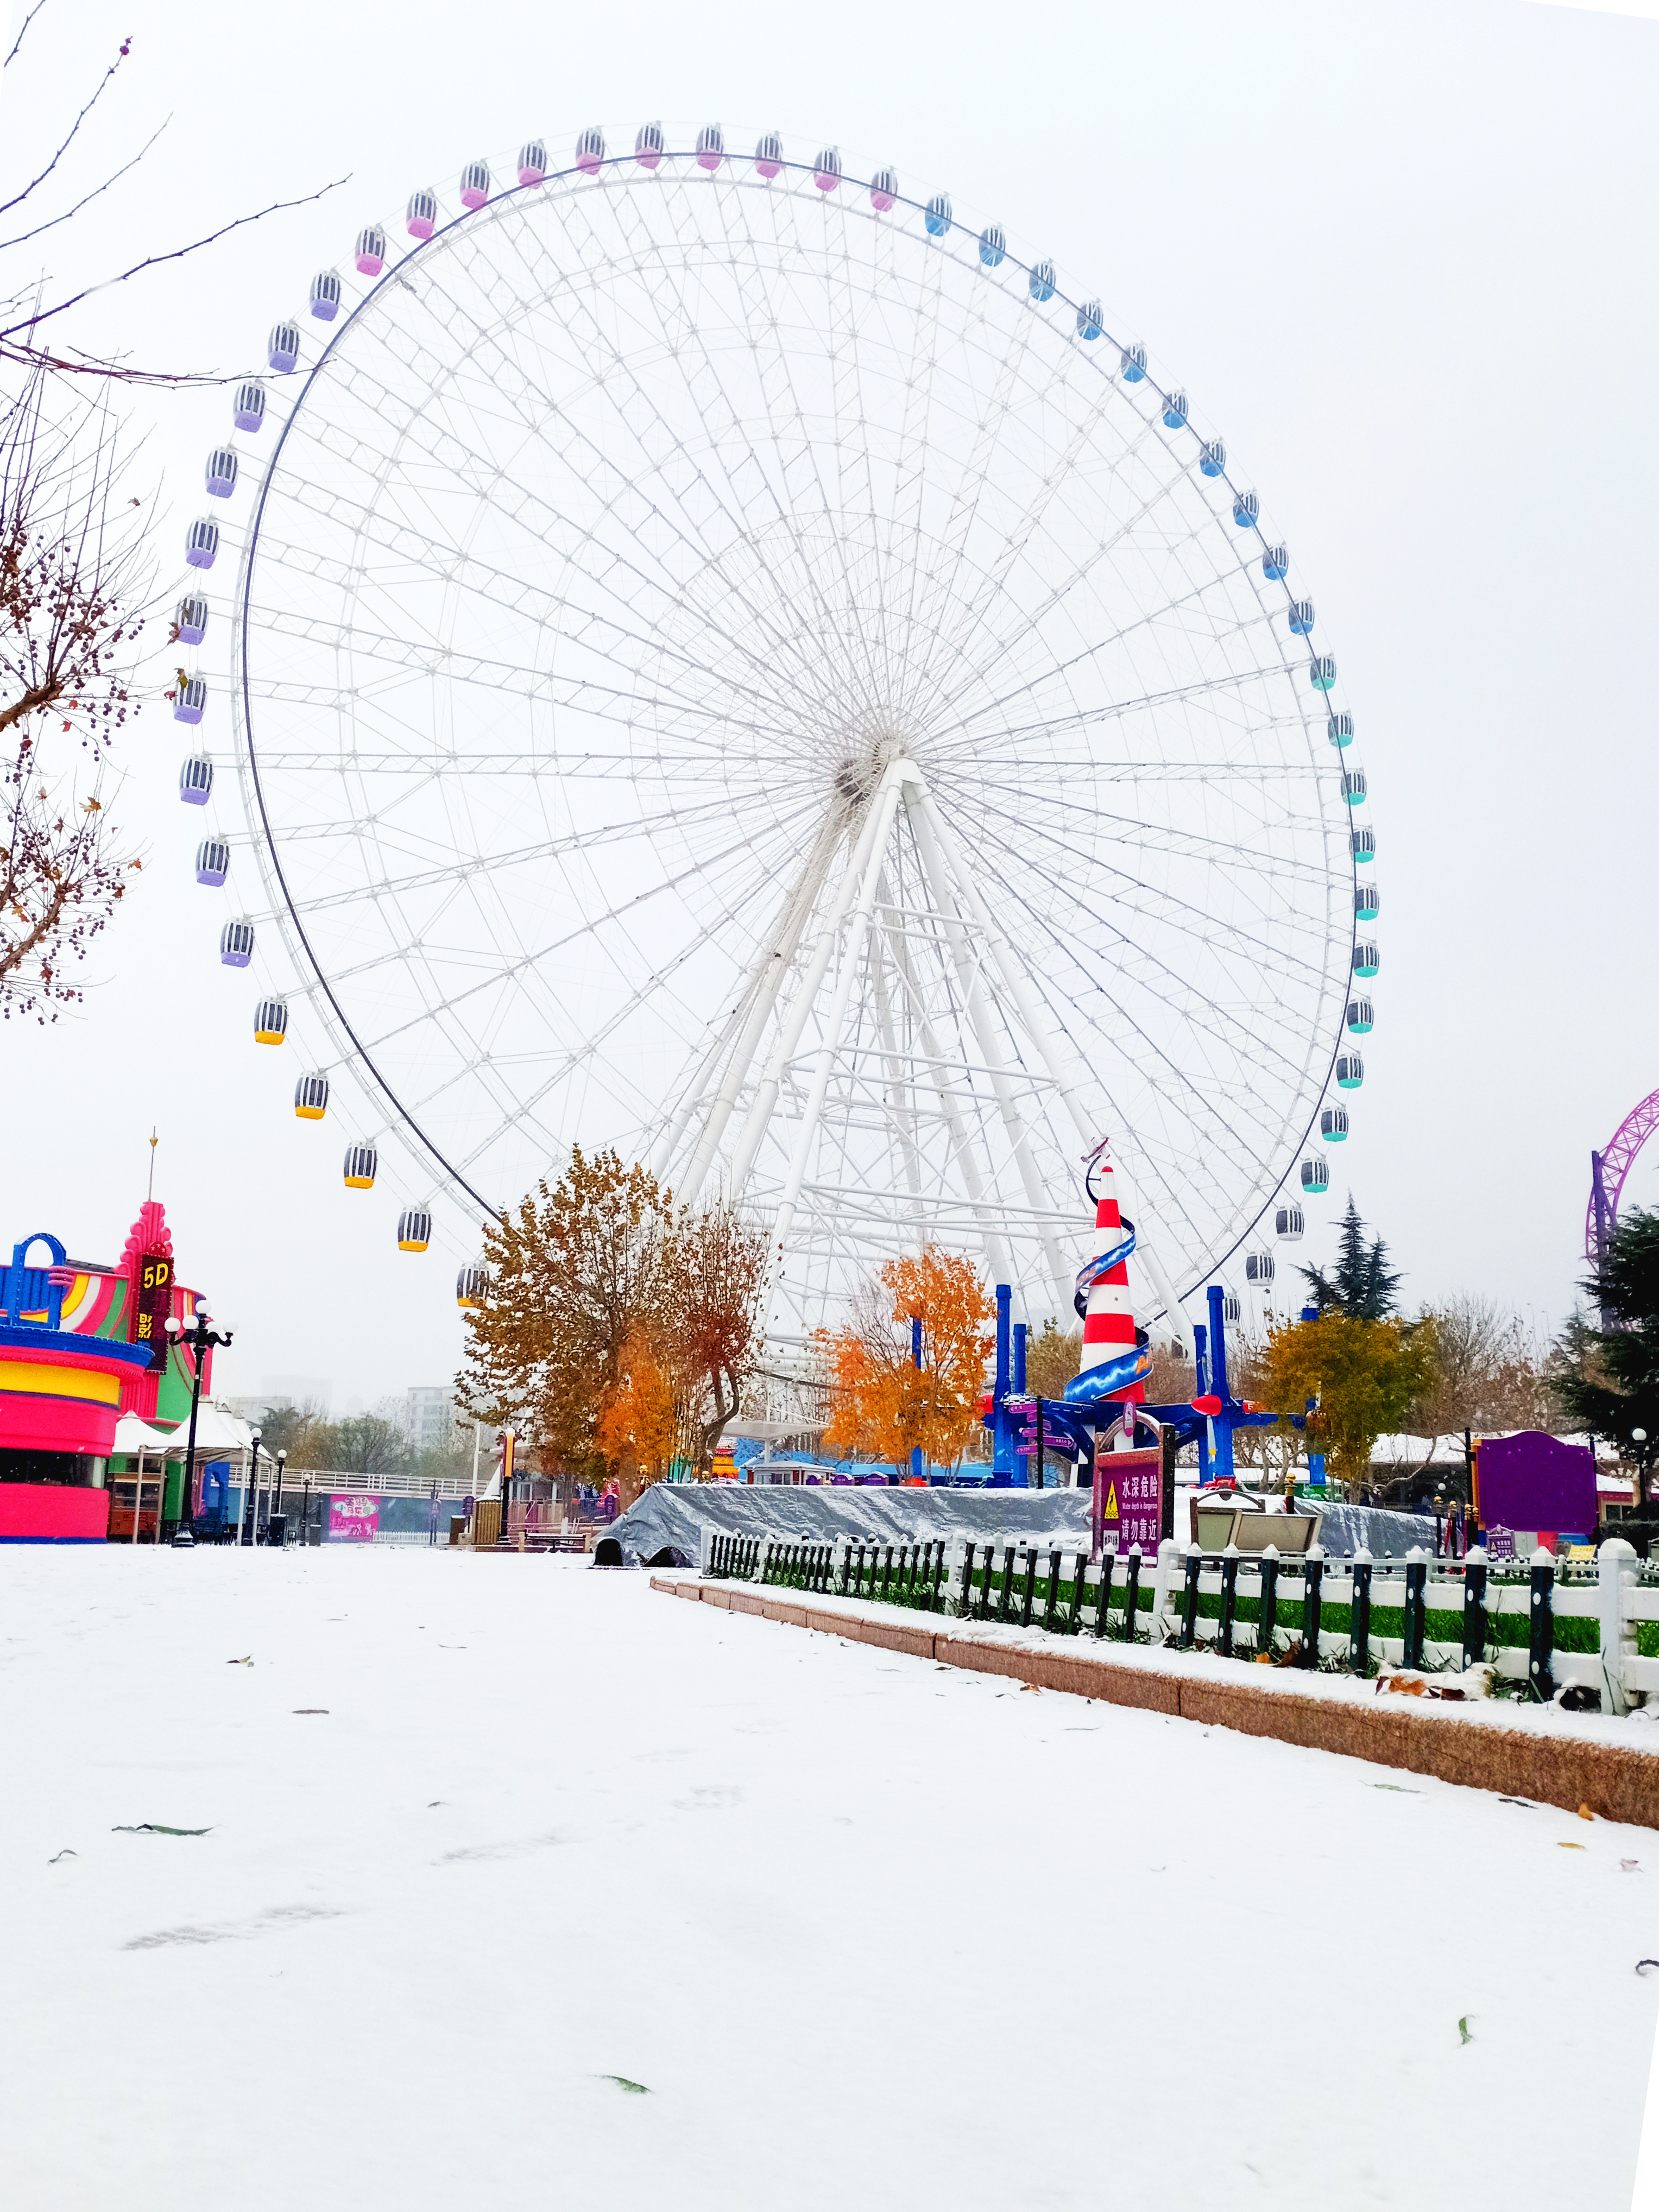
x=1210, y=1419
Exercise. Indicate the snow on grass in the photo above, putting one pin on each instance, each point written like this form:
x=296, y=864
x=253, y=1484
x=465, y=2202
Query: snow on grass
x=522, y=1886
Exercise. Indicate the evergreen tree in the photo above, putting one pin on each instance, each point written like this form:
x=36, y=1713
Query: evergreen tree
x=1611, y=1381
x=1361, y=1285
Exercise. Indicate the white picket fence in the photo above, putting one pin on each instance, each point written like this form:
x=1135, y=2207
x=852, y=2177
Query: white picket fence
x=1028, y=1577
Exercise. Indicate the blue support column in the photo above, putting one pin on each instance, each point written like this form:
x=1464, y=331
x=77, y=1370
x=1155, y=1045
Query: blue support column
x=1020, y=1333
x=915, y=1361
x=1008, y=1471
x=1202, y=1375
x=1219, y=1384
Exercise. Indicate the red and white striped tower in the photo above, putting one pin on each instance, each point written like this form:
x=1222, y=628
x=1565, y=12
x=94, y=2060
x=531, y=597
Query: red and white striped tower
x=1108, y=1323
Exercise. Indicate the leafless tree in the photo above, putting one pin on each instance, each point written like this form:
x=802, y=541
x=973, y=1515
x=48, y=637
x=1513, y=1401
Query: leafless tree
x=72, y=579
x=1491, y=1376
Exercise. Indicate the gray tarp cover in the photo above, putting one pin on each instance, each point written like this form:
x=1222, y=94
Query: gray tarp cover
x=670, y=1516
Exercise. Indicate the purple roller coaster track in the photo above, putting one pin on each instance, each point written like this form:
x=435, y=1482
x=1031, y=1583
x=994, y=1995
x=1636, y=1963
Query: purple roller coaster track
x=1609, y=1170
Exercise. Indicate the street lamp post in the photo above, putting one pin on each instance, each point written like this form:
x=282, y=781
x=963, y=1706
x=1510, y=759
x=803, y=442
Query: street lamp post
x=199, y=1334
x=1639, y=1438
x=282, y=1469
x=251, y=1492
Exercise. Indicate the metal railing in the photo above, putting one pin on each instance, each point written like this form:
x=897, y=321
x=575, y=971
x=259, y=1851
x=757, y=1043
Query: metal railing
x=382, y=1486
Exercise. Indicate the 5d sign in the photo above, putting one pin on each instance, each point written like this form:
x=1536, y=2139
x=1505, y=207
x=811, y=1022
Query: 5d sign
x=152, y=1306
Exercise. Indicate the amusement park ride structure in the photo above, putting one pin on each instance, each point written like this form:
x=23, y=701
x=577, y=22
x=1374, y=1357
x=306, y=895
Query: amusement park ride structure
x=728, y=660
x=1609, y=1171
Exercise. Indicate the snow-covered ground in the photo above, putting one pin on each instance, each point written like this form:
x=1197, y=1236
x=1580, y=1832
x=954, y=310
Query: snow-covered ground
x=862, y=1938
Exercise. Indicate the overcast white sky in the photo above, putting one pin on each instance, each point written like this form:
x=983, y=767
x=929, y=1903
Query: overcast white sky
x=1403, y=253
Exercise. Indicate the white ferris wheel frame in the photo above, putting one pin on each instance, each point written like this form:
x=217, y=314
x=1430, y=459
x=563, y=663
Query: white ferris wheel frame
x=844, y=929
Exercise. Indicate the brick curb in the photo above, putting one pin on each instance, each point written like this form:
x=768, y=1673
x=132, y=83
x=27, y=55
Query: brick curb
x=1616, y=1783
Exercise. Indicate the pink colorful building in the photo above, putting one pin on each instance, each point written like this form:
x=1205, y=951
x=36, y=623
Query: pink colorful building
x=80, y=1344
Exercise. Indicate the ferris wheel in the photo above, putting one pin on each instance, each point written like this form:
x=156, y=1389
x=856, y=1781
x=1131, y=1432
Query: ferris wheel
x=733, y=662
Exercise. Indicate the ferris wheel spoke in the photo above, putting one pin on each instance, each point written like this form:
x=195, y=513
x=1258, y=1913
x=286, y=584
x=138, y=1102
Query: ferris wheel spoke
x=617, y=914
x=424, y=660
x=1057, y=822
x=587, y=460
x=855, y=490
x=922, y=352
x=1225, y=1121
x=1094, y=660
x=973, y=608
x=543, y=522
x=607, y=637
x=795, y=451
x=601, y=767
x=966, y=496
x=1120, y=1022
x=1204, y=690
x=993, y=639
x=619, y=366
x=1214, y=1127
x=635, y=829
x=579, y=1055
x=1201, y=931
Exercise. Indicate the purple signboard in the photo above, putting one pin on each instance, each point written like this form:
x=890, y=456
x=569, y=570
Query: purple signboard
x=1128, y=1505
x=355, y=1520
x=1535, y=1482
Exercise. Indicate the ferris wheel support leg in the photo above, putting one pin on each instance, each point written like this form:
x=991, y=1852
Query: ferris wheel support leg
x=1008, y=970
x=999, y=1257
x=904, y=1112
x=882, y=812
x=938, y=876
x=759, y=1112
x=766, y=984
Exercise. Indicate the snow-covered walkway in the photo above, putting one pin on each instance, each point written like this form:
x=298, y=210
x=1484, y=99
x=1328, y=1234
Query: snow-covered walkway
x=862, y=1938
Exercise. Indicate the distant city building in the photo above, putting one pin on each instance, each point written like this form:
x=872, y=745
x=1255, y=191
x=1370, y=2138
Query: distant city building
x=255, y=1409
x=429, y=1416
x=297, y=1390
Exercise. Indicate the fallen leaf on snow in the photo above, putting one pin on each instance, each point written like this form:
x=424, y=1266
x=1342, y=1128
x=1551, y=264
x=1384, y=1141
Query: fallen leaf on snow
x=1463, y=2027
x=633, y=2088
x=1569, y=1847
x=1585, y=1813
x=66, y=1853
x=157, y=1829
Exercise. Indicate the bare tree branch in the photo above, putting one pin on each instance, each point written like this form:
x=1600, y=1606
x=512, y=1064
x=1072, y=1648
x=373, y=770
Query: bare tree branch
x=22, y=27
x=6, y=206
x=40, y=229
x=19, y=343
x=154, y=262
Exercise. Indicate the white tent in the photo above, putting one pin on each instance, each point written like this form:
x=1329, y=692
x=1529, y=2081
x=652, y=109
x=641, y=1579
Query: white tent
x=218, y=1430
x=134, y=1436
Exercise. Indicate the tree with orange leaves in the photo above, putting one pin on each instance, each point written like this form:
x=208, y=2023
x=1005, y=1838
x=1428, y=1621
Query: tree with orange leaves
x=883, y=1404
x=639, y=1425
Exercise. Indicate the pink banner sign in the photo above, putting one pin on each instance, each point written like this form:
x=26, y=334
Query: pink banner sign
x=354, y=1520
